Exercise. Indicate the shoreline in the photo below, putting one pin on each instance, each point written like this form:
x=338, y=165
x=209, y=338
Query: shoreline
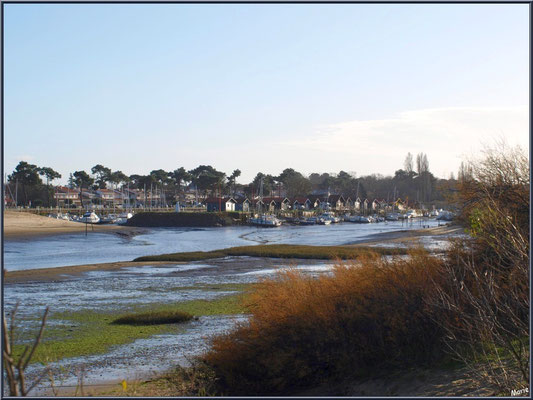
x=25, y=226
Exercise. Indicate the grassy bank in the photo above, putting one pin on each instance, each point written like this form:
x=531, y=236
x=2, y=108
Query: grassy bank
x=85, y=332
x=278, y=251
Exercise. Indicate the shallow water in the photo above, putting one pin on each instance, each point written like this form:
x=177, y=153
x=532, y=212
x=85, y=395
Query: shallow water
x=141, y=359
x=77, y=249
x=118, y=290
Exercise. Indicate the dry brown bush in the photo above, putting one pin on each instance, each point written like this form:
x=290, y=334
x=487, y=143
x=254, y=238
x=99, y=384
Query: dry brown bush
x=304, y=330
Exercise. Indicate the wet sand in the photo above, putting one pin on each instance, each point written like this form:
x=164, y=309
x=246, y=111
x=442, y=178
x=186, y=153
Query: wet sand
x=408, y=236
x=63, y=273
x=22, y=225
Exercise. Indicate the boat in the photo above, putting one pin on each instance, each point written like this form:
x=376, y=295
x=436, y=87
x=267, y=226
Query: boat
x=445, y=216
x=322, y=221
x=265, y=221
x=122, y=218
x=351, y=218
x=126, y=215
x=359, y=219
x=307, y=221
x=109, y=219
x=413, y=214
x=392, y=217
x=89, y=218
x=329, y=216
x=291, y=220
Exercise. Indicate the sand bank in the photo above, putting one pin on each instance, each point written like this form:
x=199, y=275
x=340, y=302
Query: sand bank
x=408, y=236
x=21, y=225
x=62, y=273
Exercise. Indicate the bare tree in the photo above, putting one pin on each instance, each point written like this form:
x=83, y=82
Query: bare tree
x=15, y=368
x=408, y=163
x=485, y=294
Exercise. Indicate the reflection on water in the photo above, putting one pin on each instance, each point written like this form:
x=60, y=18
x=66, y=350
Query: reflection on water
x=77, y=249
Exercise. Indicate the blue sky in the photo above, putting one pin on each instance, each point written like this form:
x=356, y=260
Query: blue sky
x=319, y=88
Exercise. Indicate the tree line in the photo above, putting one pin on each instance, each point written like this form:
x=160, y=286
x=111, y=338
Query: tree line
x=414, y=182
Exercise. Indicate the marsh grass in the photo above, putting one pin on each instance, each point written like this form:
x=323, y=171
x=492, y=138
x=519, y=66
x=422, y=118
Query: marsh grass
x=88, y=332
x=154, y=318
x=279, y=251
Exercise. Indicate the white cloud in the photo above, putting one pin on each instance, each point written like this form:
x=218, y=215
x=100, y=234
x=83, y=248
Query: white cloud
x=446, y=135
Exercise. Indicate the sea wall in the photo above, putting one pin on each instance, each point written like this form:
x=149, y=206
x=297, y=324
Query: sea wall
x=173, y=219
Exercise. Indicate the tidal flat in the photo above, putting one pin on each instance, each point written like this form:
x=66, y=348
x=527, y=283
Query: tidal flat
x=79, y=337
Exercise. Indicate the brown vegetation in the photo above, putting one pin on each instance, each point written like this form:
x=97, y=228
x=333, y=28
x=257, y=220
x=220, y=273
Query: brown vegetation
x=368, y=315
x=379, y=314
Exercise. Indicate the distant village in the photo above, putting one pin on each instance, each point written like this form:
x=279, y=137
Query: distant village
x=206, y=189
x=137, y=198
x=125, y=198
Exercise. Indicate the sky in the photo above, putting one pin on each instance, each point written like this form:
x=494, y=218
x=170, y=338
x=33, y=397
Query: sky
x=260, y=88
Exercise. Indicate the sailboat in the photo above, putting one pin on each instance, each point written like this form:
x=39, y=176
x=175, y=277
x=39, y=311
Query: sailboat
x=264, y=220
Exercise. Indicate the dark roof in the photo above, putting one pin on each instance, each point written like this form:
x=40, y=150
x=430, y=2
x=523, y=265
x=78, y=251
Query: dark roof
x=241, y=200
x=275, y=199
x=301, y=200
x=314, y=197
x=65, y=189
x=219, y=199
x=336, y=197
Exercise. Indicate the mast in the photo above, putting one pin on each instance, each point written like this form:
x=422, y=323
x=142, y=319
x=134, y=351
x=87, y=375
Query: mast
x=260, y=195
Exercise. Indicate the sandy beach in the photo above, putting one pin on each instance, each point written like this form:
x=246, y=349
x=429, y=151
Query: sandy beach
x=21, y=225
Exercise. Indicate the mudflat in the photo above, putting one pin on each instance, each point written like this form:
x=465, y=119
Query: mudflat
x=61, y=273
x=21, y=225
x=408, y=236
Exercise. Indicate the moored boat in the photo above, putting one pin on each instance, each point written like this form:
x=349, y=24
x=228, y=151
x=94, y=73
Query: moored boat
x=89, y=218
x=265, y=221
x=329, y=216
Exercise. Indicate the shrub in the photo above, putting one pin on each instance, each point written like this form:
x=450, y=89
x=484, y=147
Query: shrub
x=304, y=330
x=484, y=290
x=154, y=318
